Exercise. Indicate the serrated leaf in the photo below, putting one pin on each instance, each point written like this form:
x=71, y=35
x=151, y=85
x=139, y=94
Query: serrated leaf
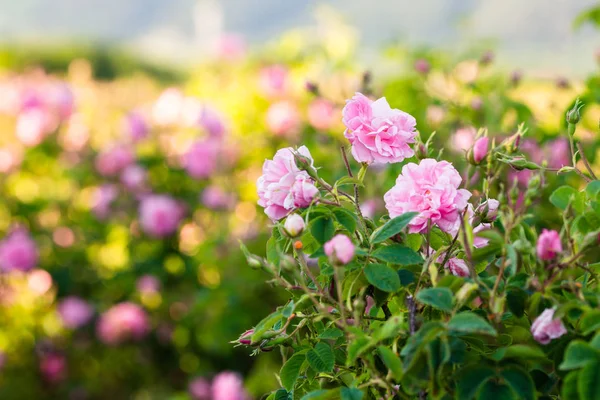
x=382, y=277
x=331, y=333
x=290, y=370
x=322, y=229
x=346, y=218
x=392, y=227
x=440, y=298
x=565, y=194
x=321, y=357
x=397, y=254
x=468, y=322
x=391, y=361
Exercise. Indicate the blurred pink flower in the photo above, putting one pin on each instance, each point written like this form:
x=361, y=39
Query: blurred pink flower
x=215, y=198
x=134, y=178
x=18, y=251
x=422, y=66
x=283, y=118
x=457, y=267
x=122, y=322
x=75, y=312
x=147, y=284
x=33, y=125
x=135, y=126
x=321, y=114
x=463, y=139
x=200, y=389
x=273, y=80
x=228, y=386
x=368, y=208
x=545, y=328
x=160, y=215
x=230, y=46
x=548, y=245
x=275, y=184
x=53, y=367
x=212, y=121
x=340, y=249
x=200, y=161
x=377, y=132
x=167, y=109
x=114, y=160
x=103, y=198
x=430, y=188
x=557, y=153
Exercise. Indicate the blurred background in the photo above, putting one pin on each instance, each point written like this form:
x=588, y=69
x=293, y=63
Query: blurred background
x=133, y=132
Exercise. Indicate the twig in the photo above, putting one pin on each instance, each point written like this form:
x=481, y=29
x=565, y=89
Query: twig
x=585, y=161
x=412, y=309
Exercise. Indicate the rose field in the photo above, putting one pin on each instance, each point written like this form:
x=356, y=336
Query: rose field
x=284, y=221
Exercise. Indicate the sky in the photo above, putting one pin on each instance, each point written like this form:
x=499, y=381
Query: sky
x=529, y=34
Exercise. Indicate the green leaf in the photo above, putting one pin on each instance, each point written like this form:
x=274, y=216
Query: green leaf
x=322, y=229
x=520, y=351
x=470, y=379
x=588, y=382
x=351, y=393
x=320, y=394
x=398, y=255
x=569, y=387
x=392, y=227
x=273, y=251
x=348, y=180
x=331, y=333
x=515, y=300
x=520, y=382
x=440, y=298
x=280, y=394
x=390, y=328
x=468, y=322
x=565, y=194
x=290, y=370
x=590, y=322
x=593, y=189
x=493, y=390
x=579, y=354
x=391, y=361
x=382, y=277
x=321, y=358
x=346, y=218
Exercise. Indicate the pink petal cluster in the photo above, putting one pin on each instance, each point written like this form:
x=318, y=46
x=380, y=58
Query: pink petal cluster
x=548, y=245
x=160, y=215
x=200, y=161
x=103, y=198
x=122, y=322
x=136, y=126
x=215, y=198
x=34, y=124
x=75, y=312
x=321, y=114
x=283, y=118
x=273, y=80
x=228, y=386
x=283, y=186
x=340, y=249
x=113, y=160
x=134, y=178
x=377, y=132
x=430, y=188
x=545, y=327
x=212, y=121
x=199, y=389
x=18, y=251
x=457, y=267
x=463, y=139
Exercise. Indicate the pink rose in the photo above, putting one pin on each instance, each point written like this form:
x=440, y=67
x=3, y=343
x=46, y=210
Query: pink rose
x=545, y=328
x=75, y=312
x=134, y=178
x=283, y=118
x=200, y=161
x=199, y=389
x=294, y=225
x=160, y=215
x=303, y=191
x=340, y=249
x=321, y=114
x=212, y=121
x=18, y=251
x=122, y=322
x=457, y=267
x=228, y=386
x=548, y=245
x=112, y=161
x=275, y=185
x=377, y=132
x=480, y=149
x=273, y=80
x=430, y=188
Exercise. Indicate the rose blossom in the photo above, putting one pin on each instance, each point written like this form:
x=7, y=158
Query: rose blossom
x=294, y=225
x=303, y=191
x=548, y=245
x=321, y=114
x=457, y=267
x=200, y=161
x=273, y=80
x=340, y=249
x=430, y=188
x=199, y=389
x=18, y=251
x=463, y=139
x=75, y=312
x=228, y=386
x=283, y=118
x=215, y=198
x=275, y=185
x=114, y=160
x=545, y=328
x=160, y=215
x=377, y=132
x=480, y=149
x=122, y=322
x=212, y=121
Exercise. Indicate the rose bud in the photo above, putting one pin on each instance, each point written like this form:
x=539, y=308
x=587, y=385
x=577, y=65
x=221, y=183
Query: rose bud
x=340, y=249
x=548, y=245
x=545, y=328
x=245, y=338
x=457, y=267
x=488, y=210
x=294, y=225
x=479, y=150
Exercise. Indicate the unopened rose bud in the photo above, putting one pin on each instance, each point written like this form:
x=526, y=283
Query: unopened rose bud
x=519, y=163
x=254, y=261
x=573, y=115
x=548, y=245
x=304, y=163
x=340, y=249
x=245, y=338
x=294, y=225
x=422, y=151
x=488, y=210
x=480, y=149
